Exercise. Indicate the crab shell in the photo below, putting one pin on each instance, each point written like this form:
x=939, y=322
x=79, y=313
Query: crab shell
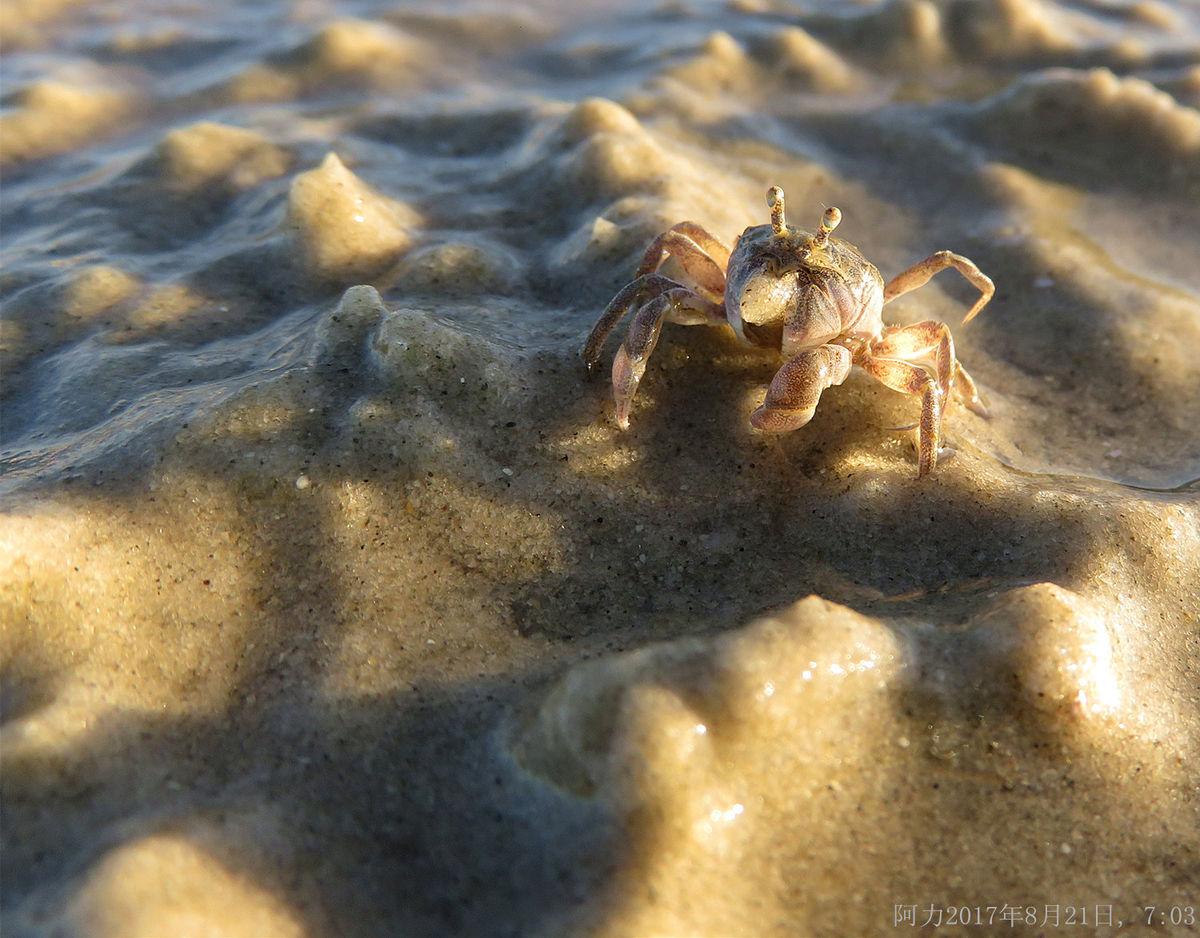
x=788, y=291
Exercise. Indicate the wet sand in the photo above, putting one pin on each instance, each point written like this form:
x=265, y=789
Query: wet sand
x=335, y=602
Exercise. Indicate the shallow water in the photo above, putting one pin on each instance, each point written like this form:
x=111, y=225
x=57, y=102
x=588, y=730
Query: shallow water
x=300, y=581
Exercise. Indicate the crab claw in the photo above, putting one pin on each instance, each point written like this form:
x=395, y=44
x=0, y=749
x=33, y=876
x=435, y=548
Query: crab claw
x=778, y=420
x=796, y=388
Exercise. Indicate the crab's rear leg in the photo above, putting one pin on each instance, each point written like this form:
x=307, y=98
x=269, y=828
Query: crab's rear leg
x=929, y=338
x=678, y=305
x=796, y=388
x=920, y=273
x=965, y=391
x=913, y=379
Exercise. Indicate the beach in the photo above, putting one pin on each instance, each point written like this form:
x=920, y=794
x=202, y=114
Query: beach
x=334, y=601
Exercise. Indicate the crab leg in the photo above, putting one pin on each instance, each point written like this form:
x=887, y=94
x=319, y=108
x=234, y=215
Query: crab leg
x=646, y=286
x=796, y=388
x=700, y=240
x=913, y=379
x=679, y=305
x=929, y=337
x=918, y=341
x=919, y=274
x=708, y=274
x=964, y=388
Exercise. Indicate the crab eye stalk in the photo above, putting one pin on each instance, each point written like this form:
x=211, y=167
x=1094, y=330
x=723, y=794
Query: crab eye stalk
x=830, y=220
x=775, y=204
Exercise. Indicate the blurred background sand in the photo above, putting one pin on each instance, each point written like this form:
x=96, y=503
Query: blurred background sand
x=334, y=603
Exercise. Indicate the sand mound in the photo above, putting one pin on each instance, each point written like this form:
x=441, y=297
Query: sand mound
x=1094, y=112
x=207, y=154
x=56, y=116
x=610, y=153
x=902, y=34
x=170, y=884
x=1184, y=85
x=588, y=736
x=26, y=22
x=911, y=35
x=437, y=376
x=475, y=28
x=347, y=53
x=800, y=60
x=1060, y=650
x=416, y=354
x=459, y=268
x=343, y=229
x=96, y=289
x=797, y=730
x=787, y=61
x=1009, y=29
x=595, y=183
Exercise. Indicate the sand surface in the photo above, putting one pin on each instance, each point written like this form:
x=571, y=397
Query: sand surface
x=333, y=602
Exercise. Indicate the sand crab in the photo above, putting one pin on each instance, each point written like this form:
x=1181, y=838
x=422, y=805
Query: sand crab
x=814, y=297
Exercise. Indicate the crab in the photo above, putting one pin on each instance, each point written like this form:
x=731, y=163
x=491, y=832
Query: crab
x=814, y=297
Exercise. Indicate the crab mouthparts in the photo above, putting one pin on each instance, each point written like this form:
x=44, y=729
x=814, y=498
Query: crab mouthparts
x=765, y=300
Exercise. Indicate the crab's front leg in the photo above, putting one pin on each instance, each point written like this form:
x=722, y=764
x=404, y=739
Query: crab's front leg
x=703, y=255
x=678, y=305
x=796, y=388
x=631, y=295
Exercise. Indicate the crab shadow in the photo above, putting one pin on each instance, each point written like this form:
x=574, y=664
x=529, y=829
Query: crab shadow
x=708, y=522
